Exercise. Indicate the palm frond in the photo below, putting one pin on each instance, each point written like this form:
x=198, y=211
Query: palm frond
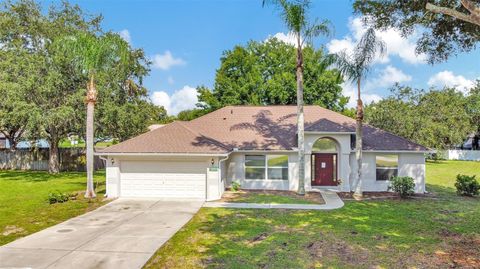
x=368, y=48
x=293, y=13
x=92, y=53
x=317, y=29
x=357, y=65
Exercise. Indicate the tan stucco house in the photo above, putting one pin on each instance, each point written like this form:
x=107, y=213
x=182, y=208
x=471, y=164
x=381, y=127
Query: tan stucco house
x=256, y=147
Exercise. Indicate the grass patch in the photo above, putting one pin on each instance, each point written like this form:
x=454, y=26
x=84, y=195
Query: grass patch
x=271, y=197
x=81, y=144
x=440, y=232
x=24, y=206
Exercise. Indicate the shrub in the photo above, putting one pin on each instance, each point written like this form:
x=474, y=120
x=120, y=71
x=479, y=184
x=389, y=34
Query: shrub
x=404, y=186
x=57, y=197
x=467, y=185
x=235, y=186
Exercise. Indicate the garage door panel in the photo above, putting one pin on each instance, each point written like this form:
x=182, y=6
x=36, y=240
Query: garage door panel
x=163, y=167
x=163, y=179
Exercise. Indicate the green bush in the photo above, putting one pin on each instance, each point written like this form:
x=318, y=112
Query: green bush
x=57, y=197
x=404, y=186
x=235, y=186
x=467, y=185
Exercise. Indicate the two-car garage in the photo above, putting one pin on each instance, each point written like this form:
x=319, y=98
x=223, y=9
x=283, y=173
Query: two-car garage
x=167, y=179
x=184, y=178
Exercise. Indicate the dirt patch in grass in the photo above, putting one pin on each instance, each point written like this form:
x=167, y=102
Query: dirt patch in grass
x=459, y=252
x=12, y=229
x=330, y=248
x=269, y=196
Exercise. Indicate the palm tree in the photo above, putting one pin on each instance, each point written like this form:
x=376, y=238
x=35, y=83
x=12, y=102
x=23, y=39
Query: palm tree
x=294, y=15
x=92, y=55
x=355, y=67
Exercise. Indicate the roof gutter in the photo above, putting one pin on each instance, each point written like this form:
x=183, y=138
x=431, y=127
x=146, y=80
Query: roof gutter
x=328, y=133
x=396, y=151
x=159, y=154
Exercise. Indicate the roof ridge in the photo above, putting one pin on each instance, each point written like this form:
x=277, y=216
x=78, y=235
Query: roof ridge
x=335, y=112
x=403, y=138
x=140, y=135
x=182, y=123
x=194, y=132
x=213, y=111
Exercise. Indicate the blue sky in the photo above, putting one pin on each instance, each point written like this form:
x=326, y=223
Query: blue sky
x=185, y=39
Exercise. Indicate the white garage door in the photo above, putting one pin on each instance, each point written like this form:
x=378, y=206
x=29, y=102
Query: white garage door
x=163, y=179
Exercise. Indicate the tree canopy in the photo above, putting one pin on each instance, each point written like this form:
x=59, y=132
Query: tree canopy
x=51, y=88
x=263, y=73
x=439, y=118
x=442, y=35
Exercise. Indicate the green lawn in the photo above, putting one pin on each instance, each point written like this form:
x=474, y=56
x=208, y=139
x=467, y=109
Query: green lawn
x=439, y=232
x=24, y=208
x=81, y=144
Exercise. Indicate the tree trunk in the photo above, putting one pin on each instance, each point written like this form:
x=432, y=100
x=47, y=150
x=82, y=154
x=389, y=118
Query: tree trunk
x=473, y=17
x=91, y=99
x=358, y=143
x=53, y=159
x=12, y=142
x=300, y=120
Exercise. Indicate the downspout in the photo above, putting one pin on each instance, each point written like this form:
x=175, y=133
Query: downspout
x=220, y=161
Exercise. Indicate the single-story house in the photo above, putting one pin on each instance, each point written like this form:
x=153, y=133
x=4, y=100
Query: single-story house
x=256, y=146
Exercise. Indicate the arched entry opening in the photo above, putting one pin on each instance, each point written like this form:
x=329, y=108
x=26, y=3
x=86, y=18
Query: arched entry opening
x=325, y=162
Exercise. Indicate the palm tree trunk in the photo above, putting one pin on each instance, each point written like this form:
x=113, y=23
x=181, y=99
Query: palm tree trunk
x=300, y=119
x=91, y=99
x=358, y=143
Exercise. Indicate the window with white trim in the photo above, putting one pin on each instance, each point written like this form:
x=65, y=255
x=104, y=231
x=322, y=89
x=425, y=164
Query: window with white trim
x=266, y=167
x=387, y=166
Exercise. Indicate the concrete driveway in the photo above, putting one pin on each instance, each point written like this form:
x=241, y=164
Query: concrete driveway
x=121, y=234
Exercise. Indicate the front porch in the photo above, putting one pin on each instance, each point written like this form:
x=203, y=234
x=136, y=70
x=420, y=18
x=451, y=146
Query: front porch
x=327, y=165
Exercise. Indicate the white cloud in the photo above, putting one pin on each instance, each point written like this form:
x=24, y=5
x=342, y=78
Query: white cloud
x=161, y=98
x=125, y=34
x=288, y=38
x=404, y=48
x=387, y=77
x=166, y=61
x=185, y=98
x=349, y=90
x=448, y=79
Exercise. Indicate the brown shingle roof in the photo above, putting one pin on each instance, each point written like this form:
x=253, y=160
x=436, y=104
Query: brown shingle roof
x=253, y=127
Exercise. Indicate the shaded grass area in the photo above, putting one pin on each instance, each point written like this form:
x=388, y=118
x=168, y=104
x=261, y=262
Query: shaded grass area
x=439, y=232
x=24, y=206
x=65, y=143
x=271, y=197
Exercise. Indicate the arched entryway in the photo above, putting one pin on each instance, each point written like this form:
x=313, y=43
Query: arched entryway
x=325, y=162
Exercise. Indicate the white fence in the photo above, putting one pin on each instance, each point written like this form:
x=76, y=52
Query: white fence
x=71, y=159
x=464, y=155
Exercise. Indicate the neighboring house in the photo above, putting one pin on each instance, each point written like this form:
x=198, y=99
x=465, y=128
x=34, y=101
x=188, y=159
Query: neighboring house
x=256, y=146
x=155, y=126
x=3, y=141
x=471, y=143
x=5, y=144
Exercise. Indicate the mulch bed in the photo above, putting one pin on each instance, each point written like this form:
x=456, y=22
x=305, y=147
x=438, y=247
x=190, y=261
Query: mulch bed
x=231, y=196
x=384, y=195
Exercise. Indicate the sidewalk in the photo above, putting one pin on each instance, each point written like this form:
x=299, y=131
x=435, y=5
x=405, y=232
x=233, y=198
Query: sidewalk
x=332, y=201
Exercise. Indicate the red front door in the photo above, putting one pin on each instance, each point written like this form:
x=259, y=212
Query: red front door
x=324, y=169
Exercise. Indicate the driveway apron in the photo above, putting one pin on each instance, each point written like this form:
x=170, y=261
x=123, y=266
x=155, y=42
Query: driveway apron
x=122, y=234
